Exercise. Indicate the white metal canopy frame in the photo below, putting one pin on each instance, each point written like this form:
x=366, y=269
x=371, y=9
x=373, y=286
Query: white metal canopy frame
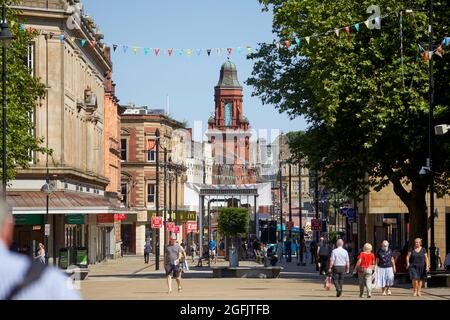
x=215, y=193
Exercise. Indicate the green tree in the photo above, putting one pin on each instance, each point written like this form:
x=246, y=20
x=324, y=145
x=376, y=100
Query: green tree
x=367, y=124
x=233, y=222
x=24, y=92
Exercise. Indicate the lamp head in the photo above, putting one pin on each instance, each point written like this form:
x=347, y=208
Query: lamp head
x=47, y=188
x=424, y=171
x=5, y=35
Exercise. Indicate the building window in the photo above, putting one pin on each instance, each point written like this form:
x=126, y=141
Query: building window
x=151, y=187
x=123, y=149
x=151, y=151
x=124, y=194
x=228, y=119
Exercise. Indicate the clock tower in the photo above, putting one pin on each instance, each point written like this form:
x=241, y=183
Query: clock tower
x=229, y=130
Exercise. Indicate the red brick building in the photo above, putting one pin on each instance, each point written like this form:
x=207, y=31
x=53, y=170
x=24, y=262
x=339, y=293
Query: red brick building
x=229, y=131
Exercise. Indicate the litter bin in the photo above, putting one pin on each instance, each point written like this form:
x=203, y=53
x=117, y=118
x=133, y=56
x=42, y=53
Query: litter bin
x=82, y=257
x=64, y=258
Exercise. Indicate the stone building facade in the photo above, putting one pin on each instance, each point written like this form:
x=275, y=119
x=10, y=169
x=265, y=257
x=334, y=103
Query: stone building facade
x=382, y=215
x=71, y=119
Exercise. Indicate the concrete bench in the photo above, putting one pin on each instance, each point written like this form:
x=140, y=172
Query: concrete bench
x=247, y=272
x=77, y=273
x=438, y=280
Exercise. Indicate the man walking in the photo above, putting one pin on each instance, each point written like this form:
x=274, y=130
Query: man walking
x=339, y=264
x=147, y=250
x=172, y=266
x=23, y=279
x=323, y=251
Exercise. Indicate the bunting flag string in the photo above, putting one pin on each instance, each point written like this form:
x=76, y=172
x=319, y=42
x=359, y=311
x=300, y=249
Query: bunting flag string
x=294, y=42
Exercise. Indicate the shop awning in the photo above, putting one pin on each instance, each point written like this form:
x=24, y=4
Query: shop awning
x=61, y=202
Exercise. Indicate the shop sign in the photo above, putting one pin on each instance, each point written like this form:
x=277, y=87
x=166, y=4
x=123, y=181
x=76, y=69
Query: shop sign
x=170, y=226
x=120, y=217
x=316, y=225
x=157, y=222
x=183, y=216
x=47, y=230
x=191, y=226
x=75, y=219
x=105, y=218
x=28, y=219
x=354, y=228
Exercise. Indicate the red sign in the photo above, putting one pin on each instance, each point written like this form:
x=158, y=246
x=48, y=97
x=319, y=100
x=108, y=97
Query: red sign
x=191, y=226
x=157, y=222
x=177, y=230
x=170, y=226
x=120, y=217
x=316, y=225
x=105, y=218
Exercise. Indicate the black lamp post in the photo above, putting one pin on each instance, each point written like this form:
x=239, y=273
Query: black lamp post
x=170, y=192
x=48, y=190
x=5, y=38
x=157, y=135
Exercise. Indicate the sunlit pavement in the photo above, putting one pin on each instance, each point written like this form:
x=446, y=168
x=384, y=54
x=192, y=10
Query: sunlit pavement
x=130, y=279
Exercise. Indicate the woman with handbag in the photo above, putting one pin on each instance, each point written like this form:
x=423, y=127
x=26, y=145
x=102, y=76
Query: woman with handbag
x=365, y=268
x=418, y=263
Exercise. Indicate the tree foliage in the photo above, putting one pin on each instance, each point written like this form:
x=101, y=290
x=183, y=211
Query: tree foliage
x=24, y=92
x=233, y=222
x=366, y=129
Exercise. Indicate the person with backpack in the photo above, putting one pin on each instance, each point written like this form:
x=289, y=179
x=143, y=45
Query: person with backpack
x=323, y=252
x=24, y=279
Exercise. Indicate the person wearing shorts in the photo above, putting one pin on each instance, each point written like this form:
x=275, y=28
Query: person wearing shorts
x=174, y=252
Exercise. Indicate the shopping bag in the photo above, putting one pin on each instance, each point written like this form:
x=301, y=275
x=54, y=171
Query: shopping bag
x=185, y=265
x=328, y=283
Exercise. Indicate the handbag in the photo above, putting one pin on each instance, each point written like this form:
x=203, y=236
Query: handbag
x=327, y=285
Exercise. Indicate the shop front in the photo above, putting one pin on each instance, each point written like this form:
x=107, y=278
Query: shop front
x=128, y=234
x=393, y=228
x=28, y=233
x=75, y=241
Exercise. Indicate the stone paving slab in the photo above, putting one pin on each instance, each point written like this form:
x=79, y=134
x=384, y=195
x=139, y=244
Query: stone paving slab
x=131, y=279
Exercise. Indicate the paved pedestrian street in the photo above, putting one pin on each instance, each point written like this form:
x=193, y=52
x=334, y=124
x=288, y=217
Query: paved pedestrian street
x=130, y=279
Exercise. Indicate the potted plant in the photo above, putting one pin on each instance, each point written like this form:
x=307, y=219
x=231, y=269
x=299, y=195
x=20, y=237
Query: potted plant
x=233, y=222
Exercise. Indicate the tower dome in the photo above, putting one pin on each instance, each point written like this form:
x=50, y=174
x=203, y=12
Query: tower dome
x=228, y=76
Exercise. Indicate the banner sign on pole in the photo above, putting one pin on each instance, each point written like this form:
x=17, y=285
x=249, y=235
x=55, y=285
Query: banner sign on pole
x=157, y=222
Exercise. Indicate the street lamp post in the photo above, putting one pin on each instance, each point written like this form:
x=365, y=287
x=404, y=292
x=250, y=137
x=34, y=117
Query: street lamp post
x=430, y=143
x=48, y=190
x=5, y=38
x=157, y=135
x=165, y=199
x=290, y=212
x=281, y=202
x=170, y=194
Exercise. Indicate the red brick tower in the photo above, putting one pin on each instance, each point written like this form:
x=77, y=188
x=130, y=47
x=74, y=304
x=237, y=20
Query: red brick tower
x=228, y=131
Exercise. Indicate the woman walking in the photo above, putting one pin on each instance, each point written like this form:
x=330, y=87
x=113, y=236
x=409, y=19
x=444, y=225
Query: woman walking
x=418, y=264
x=385, y=268
x=40, y=256
x=365, y=268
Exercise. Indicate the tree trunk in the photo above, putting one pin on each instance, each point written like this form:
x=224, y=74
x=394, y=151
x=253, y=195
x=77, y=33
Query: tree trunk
x=416, y=203
x=418, y=220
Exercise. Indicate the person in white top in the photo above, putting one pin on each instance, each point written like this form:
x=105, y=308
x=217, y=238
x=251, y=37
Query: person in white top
x=23, y=279
x=339, y=264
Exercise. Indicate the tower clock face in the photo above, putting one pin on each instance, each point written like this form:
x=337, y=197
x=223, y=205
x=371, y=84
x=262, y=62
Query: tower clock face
x=228, y=114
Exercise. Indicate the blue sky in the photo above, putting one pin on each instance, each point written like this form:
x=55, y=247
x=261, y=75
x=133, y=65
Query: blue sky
x=189, y=81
